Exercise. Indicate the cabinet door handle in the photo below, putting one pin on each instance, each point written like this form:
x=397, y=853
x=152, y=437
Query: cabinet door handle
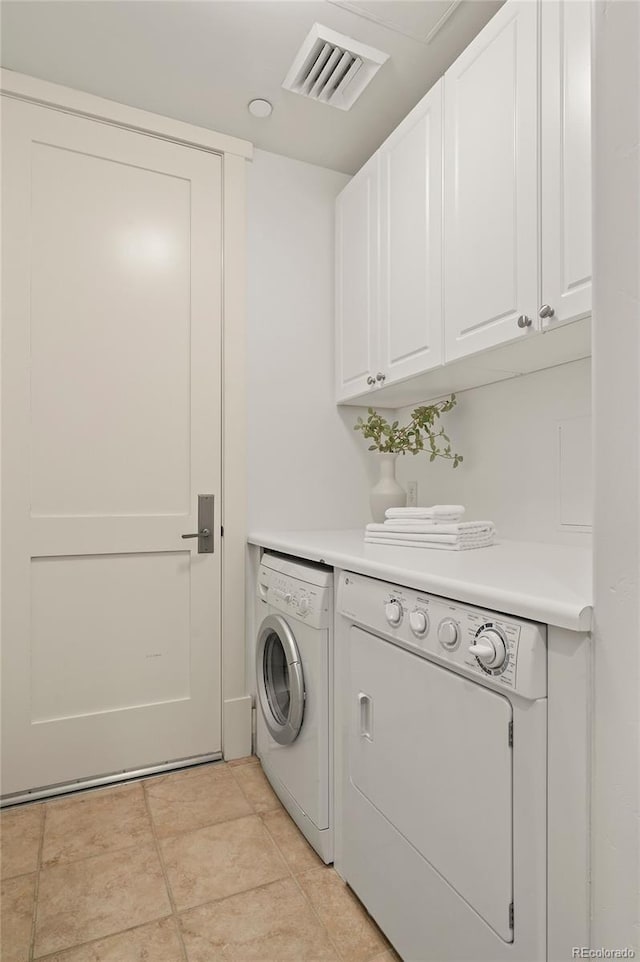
x=366, y=715
x=524, y=321
x=380, y=376
x=371, y=380
x=546, y=311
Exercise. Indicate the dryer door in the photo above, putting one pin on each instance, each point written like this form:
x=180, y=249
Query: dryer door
x=279, y=679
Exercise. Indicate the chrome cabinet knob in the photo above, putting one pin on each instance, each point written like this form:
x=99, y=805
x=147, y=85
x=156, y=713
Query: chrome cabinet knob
x=380, y=376
x=371, y=380
x=546, y=311
x=524, y=321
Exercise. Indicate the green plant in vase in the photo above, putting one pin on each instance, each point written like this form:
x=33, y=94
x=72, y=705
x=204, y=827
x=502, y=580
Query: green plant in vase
x=421, y=434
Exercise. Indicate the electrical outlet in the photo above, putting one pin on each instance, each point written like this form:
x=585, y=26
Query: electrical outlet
x=412, y=494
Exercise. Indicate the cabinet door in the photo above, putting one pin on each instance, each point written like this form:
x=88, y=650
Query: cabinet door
x=490, y=213
x=356, y=283
x=566, y=159
x=411, y=242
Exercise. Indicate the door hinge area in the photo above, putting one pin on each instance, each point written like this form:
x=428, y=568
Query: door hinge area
x=510, y=734
x=222, y=531
x=511, y=915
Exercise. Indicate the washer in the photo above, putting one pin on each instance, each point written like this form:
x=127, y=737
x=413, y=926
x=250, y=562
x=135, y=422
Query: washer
x=294, y=665
x=443, y=772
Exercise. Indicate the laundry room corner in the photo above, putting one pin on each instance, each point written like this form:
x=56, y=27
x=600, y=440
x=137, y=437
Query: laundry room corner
x=306, y=467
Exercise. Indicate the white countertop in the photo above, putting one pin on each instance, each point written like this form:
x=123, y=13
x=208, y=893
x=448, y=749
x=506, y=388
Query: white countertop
x=549, y=583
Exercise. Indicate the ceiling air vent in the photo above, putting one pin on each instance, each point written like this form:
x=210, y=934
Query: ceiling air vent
x=332, y=68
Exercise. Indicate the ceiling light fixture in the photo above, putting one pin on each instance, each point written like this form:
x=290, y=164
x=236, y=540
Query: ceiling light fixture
x=260, y=108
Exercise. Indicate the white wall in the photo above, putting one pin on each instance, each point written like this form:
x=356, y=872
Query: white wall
x=616, y=737
x=516, y=464
x=307, y=468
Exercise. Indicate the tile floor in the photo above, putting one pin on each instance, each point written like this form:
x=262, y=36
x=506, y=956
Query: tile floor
x=203, y=865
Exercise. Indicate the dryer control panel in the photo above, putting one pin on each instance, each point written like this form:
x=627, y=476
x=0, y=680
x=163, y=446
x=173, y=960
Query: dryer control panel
x=503, y=652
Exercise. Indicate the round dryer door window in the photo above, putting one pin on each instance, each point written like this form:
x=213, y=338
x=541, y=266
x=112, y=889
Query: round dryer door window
x=279, y=679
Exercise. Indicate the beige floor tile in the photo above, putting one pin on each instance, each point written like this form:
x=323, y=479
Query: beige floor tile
x=156, y=942
x=356, y=936
x=95, y=897
x=186, y=801
x=247, y=760
x=254, y=784
x=20, y=831
x=269, y=924
x=297, y=852
x=17, y=918
x=95, y=823
x=388, y=956
x=221, y=860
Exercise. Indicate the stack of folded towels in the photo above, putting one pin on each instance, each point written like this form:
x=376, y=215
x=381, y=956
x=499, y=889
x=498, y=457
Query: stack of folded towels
x=438, y=527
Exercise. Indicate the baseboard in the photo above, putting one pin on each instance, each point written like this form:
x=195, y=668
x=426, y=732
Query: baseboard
x=236, y=727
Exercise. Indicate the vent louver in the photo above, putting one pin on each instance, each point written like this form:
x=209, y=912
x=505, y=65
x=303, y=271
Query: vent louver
x=332, y=68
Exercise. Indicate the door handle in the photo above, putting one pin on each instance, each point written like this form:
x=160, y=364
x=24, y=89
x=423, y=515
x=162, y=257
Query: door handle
x=204, y=534
x=366, y=715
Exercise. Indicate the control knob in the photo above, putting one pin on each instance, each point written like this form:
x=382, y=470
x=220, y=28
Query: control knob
x=393, y=613
x=303, y=605
x=419, y=622
x=448, y=633
x=489, y=648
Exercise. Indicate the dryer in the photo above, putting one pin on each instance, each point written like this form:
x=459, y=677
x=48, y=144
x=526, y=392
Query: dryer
x=294, y=665
x=444, y=772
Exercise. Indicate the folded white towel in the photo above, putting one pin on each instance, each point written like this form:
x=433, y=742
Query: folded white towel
x=438, y=512
x=431, y=538
x=405, y=529
x=440, y=544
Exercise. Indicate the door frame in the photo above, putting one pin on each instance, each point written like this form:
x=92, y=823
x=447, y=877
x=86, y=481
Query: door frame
x=234, y=153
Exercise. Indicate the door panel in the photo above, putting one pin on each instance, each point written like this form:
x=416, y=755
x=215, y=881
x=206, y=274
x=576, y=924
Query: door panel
x=356, y=282
x=111, y=429
x=132, y=292
x=430, y=750
x=411, y=242
x=135, y=610
x=491, y=213
x=566, y=159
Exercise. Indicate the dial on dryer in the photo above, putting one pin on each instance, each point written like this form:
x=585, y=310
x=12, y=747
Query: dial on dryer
x=393, y=612
x=419, y=622
x=489, y=648
x=448, y=633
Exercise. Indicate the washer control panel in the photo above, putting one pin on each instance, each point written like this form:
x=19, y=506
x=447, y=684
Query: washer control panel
x=305, y=594
x=501, y=651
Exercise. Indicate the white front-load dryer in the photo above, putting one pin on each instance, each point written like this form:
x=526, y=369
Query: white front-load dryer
x=294, y=654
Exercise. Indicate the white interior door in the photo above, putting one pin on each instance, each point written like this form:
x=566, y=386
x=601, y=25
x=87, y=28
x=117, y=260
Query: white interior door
x=111, y=430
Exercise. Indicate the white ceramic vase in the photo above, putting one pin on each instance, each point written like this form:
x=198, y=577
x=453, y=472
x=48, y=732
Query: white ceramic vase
x=387, y=493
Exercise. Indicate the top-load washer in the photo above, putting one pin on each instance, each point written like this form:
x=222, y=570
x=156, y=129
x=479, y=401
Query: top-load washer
x=294, y=653
x=444, y=773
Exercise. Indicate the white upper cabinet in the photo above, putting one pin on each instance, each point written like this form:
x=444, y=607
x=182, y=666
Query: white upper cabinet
x=491, y=173
x=469, y=232
x=410, y=311
x=356, y=283
x=566, y=160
